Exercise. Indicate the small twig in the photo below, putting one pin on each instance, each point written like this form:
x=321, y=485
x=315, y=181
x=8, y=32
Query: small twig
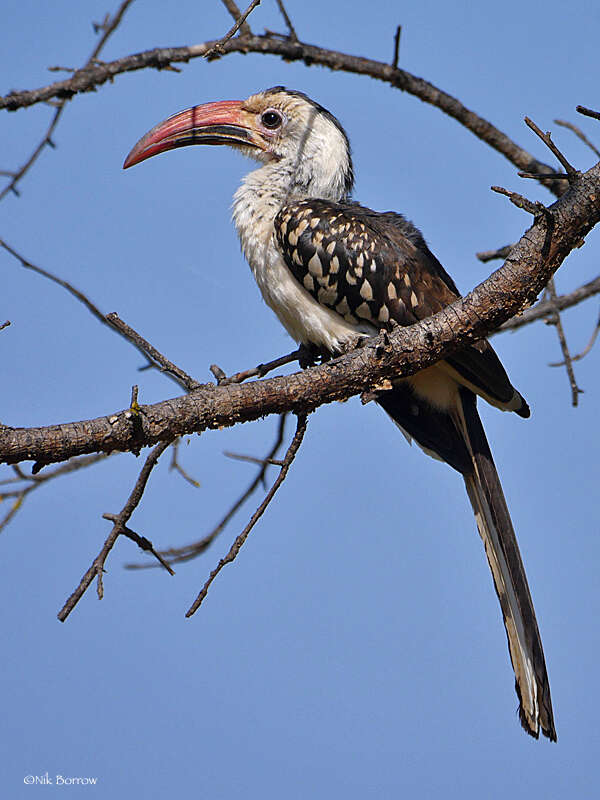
x=176, y=555
x=587, y=112
x=5, y=325
x=231, y=6
x=109, y=27
x=535, y=209
x=260, y=371
x=579, y=133
x=556, y=320
x=35, y=481
x=277, y=462
x=292, y=33
x=239, y=541
x=177, y=466
x=490, y=255
x=119, y=523
x=544, y=309
x=572, y=173
x=155, y=357
x=141, y=541
x=217, y=48
x=585, y=350
x=396, y=47
x=11, y=186
x=157, y=360
x=553, y=176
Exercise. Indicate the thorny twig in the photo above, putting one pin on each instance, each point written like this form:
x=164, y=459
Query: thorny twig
x=176, y=555
x=239, y=541
x=119, y=524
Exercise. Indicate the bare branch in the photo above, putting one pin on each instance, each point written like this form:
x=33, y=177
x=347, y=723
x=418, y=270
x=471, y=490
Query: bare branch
x=544, y=309
x=217, y=49
x=161, y=58
x=572, y=173
x=119, y=524
x=11, y=186
x=4, y=325
x=109, y=26
x=152, y=354
x=535, y=209
x=579, y=133
x=292, y=33
x=277, y=462
x=238, y=543
x=556, y=320
x=176, y=555
x=532, y=262
x=396, y=47
x=33, y=482
x=491, y=255
x=235, y=12
x=113, y=321
x=585, y=350
x=177, y=466
x=587, y=112
x=260, y=371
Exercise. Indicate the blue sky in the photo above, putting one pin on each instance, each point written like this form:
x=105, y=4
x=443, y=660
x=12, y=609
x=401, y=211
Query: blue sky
x=355, y=648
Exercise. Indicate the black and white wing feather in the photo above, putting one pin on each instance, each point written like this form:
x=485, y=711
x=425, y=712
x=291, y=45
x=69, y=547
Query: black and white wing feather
x=376, y=268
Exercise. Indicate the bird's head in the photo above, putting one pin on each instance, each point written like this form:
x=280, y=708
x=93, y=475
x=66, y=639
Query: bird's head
x=275, y=126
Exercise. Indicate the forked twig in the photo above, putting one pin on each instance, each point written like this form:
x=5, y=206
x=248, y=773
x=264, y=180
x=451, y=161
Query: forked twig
x=217, y=48
x=108, y=26
x=119, y=524
x=239, y=541
x=585, y=350
x=556, y=320
x=176, y=555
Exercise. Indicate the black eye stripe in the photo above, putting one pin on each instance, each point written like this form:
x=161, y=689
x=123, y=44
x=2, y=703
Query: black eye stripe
x=271, y=119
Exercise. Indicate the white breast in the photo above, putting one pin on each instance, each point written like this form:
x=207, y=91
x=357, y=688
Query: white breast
x=306, y=321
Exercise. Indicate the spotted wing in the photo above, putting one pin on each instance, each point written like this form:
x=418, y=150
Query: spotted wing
x=376, y=267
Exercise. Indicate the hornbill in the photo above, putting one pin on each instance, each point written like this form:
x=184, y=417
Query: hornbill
x=335, y=272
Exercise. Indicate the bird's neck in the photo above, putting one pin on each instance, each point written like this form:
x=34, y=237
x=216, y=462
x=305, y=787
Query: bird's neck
x=266, y=190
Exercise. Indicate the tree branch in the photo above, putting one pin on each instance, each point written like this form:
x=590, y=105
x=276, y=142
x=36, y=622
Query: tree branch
x=119, y=524
x=241, y=538
x=532, y=262
x=160, y=58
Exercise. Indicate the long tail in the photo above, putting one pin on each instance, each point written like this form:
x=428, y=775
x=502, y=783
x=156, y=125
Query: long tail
x=502, y=550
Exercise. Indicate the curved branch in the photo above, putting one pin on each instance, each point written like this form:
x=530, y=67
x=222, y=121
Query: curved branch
x=95, y=75
x=533, y=260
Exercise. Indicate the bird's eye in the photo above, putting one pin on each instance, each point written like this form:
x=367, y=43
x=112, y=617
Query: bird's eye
x=271, y=119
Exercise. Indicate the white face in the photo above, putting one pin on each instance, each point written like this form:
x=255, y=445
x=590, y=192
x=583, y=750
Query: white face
x=296, y=132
